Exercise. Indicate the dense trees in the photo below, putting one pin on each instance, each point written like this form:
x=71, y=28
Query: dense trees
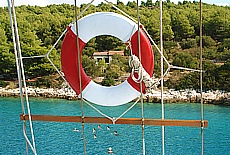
x=40, y=27
x=213, y=78
x=185, y=60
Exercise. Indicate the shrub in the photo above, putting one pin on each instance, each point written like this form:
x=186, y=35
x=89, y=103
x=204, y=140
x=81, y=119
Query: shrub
x=188, y=43
x=3, y=83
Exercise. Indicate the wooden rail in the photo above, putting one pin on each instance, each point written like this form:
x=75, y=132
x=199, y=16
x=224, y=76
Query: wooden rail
x=103, y=120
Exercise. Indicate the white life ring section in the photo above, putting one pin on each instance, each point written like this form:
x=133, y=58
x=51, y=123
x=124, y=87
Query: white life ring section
x=96, y=24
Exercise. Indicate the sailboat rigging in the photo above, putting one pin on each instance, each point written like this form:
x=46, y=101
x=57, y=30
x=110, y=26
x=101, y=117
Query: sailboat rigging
x=77, y=35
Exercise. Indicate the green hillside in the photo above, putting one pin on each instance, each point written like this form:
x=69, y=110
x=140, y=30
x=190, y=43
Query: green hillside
x=40, y=27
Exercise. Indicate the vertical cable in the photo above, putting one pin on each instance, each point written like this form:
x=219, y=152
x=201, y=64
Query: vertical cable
x=162, y=78
x=141, y=97
x=201, y=84
x=22, y=75
x=79, y=73
x=16, y=56
x=18, y=68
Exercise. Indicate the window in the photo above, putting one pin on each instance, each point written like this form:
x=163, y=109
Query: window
x=106, y=60
x=99, y=59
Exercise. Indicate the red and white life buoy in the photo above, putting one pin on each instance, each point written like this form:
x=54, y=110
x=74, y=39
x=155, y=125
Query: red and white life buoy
x=104, y=23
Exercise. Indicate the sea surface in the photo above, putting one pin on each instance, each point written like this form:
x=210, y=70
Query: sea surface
x=54, y=138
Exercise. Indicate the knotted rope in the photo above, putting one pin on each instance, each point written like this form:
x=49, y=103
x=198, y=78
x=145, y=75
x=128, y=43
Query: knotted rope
x=135, y=64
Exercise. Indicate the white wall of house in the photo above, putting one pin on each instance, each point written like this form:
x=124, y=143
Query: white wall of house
x=107, y=55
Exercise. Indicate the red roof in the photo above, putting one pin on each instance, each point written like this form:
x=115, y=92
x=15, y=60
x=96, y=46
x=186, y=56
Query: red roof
x=109, y=53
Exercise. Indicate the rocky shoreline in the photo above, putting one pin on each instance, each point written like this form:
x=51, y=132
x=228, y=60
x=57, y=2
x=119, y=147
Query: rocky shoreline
x=170, y=96
x=190, y=96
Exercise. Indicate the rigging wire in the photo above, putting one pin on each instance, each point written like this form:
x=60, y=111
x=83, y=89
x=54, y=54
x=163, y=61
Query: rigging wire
x=113, y=119
x=141, y=82
x=79, y=73
x=122, y=12
x=162, y=78
x=21, y=75
x=18, y=68
x=201, y=83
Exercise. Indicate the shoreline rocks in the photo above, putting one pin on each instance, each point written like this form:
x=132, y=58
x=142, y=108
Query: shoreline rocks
x=190, y=96
x=64, y=93
x=170, y=96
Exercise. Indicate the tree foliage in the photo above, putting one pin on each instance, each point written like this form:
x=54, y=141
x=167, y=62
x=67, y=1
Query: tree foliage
x=40, y=27
x=214, y=78
x=184, y=60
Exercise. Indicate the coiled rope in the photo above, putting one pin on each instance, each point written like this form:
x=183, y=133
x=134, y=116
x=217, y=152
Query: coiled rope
x=136, y=67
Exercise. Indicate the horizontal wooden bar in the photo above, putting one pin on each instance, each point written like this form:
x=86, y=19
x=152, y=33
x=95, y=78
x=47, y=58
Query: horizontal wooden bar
x=103, y=120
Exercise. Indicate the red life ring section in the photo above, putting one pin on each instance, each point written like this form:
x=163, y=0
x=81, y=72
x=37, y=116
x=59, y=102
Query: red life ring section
x=104, y=23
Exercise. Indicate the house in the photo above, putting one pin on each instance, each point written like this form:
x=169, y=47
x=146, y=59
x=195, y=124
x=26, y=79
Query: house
x=106, y=55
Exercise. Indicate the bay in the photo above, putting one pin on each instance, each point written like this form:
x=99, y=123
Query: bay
x=59, y=138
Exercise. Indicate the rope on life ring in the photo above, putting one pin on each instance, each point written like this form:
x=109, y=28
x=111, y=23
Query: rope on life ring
x=105, y=23
x=135, y=64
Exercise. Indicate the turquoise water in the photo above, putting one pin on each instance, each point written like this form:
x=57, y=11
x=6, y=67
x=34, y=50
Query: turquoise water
x=59, y=138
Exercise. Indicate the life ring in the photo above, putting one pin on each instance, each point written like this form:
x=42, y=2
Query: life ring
x=104, y=23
